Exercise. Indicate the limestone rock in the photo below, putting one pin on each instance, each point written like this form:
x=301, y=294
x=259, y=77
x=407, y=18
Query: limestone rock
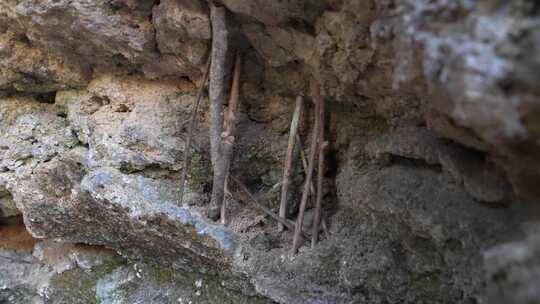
x=32, y=133
x=27, y=68
x=130, y=123
x=131, y=213
x=183, y=30
x=100, y=36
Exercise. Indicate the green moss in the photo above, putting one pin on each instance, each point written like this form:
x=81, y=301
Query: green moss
x=212, y=290
x=200, y=174
x=161, y=274
x=79, y=286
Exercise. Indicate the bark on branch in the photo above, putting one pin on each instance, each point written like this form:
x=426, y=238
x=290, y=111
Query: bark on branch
x=217, y=90
x=320, y=176
x=217, y=94
x=289, y=160
x=229, y=136
x=312, y=188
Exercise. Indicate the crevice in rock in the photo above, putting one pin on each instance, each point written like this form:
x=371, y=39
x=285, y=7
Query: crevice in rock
x=9, y=213
x=413, y=163
x=46, y=97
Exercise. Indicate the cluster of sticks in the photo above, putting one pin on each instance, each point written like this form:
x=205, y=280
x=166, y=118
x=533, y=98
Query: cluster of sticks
x=222, y=138
x=318, y=146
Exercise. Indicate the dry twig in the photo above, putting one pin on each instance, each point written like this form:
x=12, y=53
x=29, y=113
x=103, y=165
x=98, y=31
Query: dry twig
x=192, y=121
x=228, y=137
x=320, y=175
x=309, y=174
x=312, y=188
x=289, y=160
x=289, y=224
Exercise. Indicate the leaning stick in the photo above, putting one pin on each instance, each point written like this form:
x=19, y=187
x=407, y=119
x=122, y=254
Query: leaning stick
x=304, y=159
x=217, y=94
x=192, y=121
x=230, y=128
x=287, y=223
x=320, y=175
x=289, y=160
x=309, y=175
x=312, y=188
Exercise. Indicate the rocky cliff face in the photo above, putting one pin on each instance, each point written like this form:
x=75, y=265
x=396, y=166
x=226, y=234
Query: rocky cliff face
x=430, y=193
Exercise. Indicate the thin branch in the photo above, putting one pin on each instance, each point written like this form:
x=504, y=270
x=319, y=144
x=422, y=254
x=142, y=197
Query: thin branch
x=312, y=188
x=322, y=147
x=289, y=160
x=187, y=148
x=287, y=223
x=230, y=131
x=309, y=174
x=304, y=159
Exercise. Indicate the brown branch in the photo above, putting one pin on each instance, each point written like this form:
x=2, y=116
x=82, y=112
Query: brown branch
x=217, y=94
x=304, y=159
x=322, y=147
x=287, y=223
x=289, y=160
x=217, y=76
x=228, y=136
x=312, y=188
x=192, y=121
x=309, y=174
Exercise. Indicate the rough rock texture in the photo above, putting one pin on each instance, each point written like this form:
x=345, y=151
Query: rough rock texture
x=432, y=172
x=513, y=271
x=481, y=68
x=69, y=273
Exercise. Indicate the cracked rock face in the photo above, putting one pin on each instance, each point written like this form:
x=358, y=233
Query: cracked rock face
x=430, y=189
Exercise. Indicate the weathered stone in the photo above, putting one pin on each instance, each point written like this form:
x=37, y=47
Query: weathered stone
x=467, y=167
x=279, y=46
x=26, y=68
x=268, y=12
x=130, y=213
x=183, y=30
x=513, y=271
x=130, y=123
x=416, y=228
x=402, y=234
x=48, y=272
x=7, y=205
x=483, y=77
x=471, y=168
x=31, y=133
x=109, y=36
x=412, y=143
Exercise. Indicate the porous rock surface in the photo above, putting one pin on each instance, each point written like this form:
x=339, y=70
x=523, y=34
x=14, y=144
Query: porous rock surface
x=431, y=186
